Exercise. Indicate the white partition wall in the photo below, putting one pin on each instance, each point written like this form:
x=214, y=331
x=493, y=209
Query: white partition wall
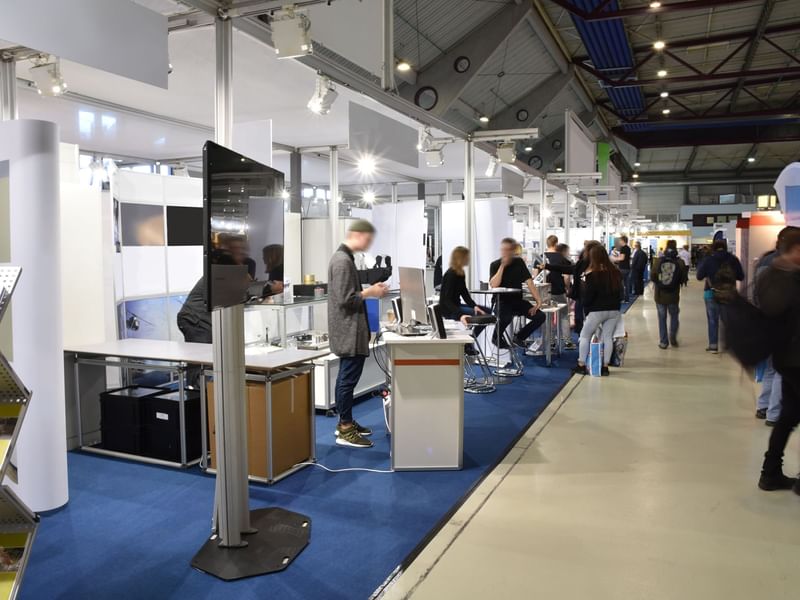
x=30, y=238
x=492, y=224
x=452, y=219
x=580, y=149
x=400, y=234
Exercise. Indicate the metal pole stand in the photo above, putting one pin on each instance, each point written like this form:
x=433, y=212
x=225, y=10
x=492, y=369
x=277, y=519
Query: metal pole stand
x=273, y=537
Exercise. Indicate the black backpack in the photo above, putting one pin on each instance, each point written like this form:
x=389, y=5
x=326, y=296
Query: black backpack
x=723, y=283
x=750, y=335
x=670, y=275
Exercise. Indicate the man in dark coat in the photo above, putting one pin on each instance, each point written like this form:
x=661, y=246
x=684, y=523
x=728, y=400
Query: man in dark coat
x=638, y=265
x=348, y=328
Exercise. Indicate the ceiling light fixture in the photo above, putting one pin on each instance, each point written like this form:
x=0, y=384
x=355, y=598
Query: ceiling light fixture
x=368, y=196
x=46, y=76
x=659, y=45
x=636, y=176
x=483, y=119
x=284, y=193
x=751, y=159
x=403, y=66
x=665, y=94
x=559, y=169
x=291, y=33
x=507, y=153
x=666, y=111
x=655, y=5
x=637, y=164
x=662, y=73
x=528, y=148
x=367, y=165
x=325, y=95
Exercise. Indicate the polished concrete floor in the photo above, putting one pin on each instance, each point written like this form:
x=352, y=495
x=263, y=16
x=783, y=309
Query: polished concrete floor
x=638, y=486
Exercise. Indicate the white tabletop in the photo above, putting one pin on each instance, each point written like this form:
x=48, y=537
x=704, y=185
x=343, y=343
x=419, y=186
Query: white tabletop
x=193, y=353
x=453, y=337
x=552, y=309
x=500, y=290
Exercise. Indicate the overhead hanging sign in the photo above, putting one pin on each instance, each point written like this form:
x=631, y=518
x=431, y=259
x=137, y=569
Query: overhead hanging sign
x=513, y=183
x=372, y=134
x=117, y=36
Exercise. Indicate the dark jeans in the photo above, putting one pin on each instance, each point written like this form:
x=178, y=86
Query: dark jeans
x=626, y=284
x=510, y=308
x=712, y=315
x=470, y=312
x=787, y=421
x=637, y=279
x=579, y=316
x=350, y=368
x=673, y=310
x=198, y=333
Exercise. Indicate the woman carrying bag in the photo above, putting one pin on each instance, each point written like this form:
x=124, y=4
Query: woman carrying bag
x=601, y=293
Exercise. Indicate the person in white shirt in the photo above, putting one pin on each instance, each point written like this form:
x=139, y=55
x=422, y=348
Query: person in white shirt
x=685, y=255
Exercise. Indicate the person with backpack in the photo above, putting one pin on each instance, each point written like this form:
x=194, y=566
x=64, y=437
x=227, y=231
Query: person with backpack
x=669, y=274
x=720, y=270
x=778, y=290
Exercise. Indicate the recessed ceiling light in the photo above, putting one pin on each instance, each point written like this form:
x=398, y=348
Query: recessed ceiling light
x=666, y=111
x=483, y=119
x=665, y=94
x=403, y=66
x=636, y=176
x=655, y=5
x=559, y=169
x=528, y=148
x=637, y=164
x=659, y=45
x=662, y=73
x=751, y=159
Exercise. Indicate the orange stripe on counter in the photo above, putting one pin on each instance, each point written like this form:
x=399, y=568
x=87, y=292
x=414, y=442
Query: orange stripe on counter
x=427, y=362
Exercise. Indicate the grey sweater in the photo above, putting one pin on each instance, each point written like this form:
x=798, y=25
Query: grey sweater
x=348, y=328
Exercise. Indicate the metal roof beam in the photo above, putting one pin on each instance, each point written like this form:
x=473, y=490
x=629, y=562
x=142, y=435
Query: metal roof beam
x=600, y=14
x=724, y=86
x=478, y=46
x=527, y=109
x=690, y=163
x=763, y=20
x=710, y=136
x=685, y=78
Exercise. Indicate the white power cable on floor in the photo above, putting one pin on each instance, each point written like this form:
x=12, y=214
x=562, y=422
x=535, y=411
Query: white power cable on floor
x=321, y=466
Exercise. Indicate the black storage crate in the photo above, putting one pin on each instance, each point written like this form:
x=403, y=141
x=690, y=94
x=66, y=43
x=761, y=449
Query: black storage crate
x=121, y=418
x=161, y=434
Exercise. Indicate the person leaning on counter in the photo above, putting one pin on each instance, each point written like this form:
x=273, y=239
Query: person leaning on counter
x=349, y=328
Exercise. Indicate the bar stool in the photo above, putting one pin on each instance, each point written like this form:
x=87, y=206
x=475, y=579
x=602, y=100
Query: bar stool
x=478, y=377
x=516, y=369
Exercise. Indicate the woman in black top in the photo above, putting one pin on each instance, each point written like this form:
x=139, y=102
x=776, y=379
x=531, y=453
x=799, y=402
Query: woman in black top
x=455, y=301
x=601, y=289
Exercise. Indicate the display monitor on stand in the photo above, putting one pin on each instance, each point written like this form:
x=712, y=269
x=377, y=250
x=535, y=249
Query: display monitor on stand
x=414, y=301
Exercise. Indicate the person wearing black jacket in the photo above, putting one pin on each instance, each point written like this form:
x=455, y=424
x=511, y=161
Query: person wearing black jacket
x=638, y=265
x=575, y=293
x=777, y=290
x=558, y=288
x=455, y=301
x=601, y=294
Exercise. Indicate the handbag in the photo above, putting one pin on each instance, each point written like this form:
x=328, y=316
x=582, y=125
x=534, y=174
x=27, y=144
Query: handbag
x=595, y=357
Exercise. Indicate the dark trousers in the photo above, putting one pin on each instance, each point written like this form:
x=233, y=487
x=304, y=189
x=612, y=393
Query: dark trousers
x=668, y=335
x=579, y=316
x=638, y=282
x=626, y=284
x=787, y=421
x=350, y=369
x=198, y=333
x=510, y=308
x=470, y=312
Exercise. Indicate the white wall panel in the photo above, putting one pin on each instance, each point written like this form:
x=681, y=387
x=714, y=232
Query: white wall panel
x=184, y=267
x=492, y=224
x=181, y=191
x=144, y=271
x=140, y=188
x=452, y=219
x=580, y=149
x=293, y=247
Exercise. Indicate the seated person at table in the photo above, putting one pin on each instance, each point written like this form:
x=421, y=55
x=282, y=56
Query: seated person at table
x=510, y=271
x=455, y=301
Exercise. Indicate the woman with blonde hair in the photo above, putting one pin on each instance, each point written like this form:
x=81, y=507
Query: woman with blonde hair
x=455, y=301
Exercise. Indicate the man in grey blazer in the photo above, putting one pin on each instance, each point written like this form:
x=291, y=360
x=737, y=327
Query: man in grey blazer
x=348, y=328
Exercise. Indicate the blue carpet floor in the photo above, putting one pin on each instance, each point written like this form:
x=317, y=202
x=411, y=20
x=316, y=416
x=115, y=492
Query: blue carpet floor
x=130, y=530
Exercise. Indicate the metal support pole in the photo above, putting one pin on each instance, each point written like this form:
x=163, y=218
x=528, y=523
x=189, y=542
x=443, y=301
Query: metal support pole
x=333, y=203
x=593, y=215
x=296, y=177
x=387, y=74
x=543, y=216
x=223, y=98
x=567, y=224
x=469, y=209
x=8, y=90
x=395, y=196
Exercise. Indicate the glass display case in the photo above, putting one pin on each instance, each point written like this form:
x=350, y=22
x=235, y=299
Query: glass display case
x=277, y=321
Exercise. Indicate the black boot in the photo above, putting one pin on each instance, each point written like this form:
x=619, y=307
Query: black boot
x=778, y=481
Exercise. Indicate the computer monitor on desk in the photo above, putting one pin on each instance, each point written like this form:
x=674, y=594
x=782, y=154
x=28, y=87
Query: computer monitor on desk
x=413, y=299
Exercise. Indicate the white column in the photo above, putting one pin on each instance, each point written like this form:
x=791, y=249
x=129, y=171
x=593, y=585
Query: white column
x=567, y=220
x=333, y=203
x=469, y=207
x=8, y=90
x=593, y=215
x=32, y=227
x=543, y=216
x=223, y=97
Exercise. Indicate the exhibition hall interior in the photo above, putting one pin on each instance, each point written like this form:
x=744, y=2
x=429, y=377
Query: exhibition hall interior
x=399, y=299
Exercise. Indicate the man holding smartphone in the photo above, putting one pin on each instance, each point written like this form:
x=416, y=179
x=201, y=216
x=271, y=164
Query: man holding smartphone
x=349, y=328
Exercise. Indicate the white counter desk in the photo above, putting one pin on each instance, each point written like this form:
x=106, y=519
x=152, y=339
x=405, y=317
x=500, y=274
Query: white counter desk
x=86, y=378
x=427, y=413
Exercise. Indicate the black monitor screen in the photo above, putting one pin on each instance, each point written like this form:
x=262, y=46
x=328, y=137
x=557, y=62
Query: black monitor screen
x=244, y=221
